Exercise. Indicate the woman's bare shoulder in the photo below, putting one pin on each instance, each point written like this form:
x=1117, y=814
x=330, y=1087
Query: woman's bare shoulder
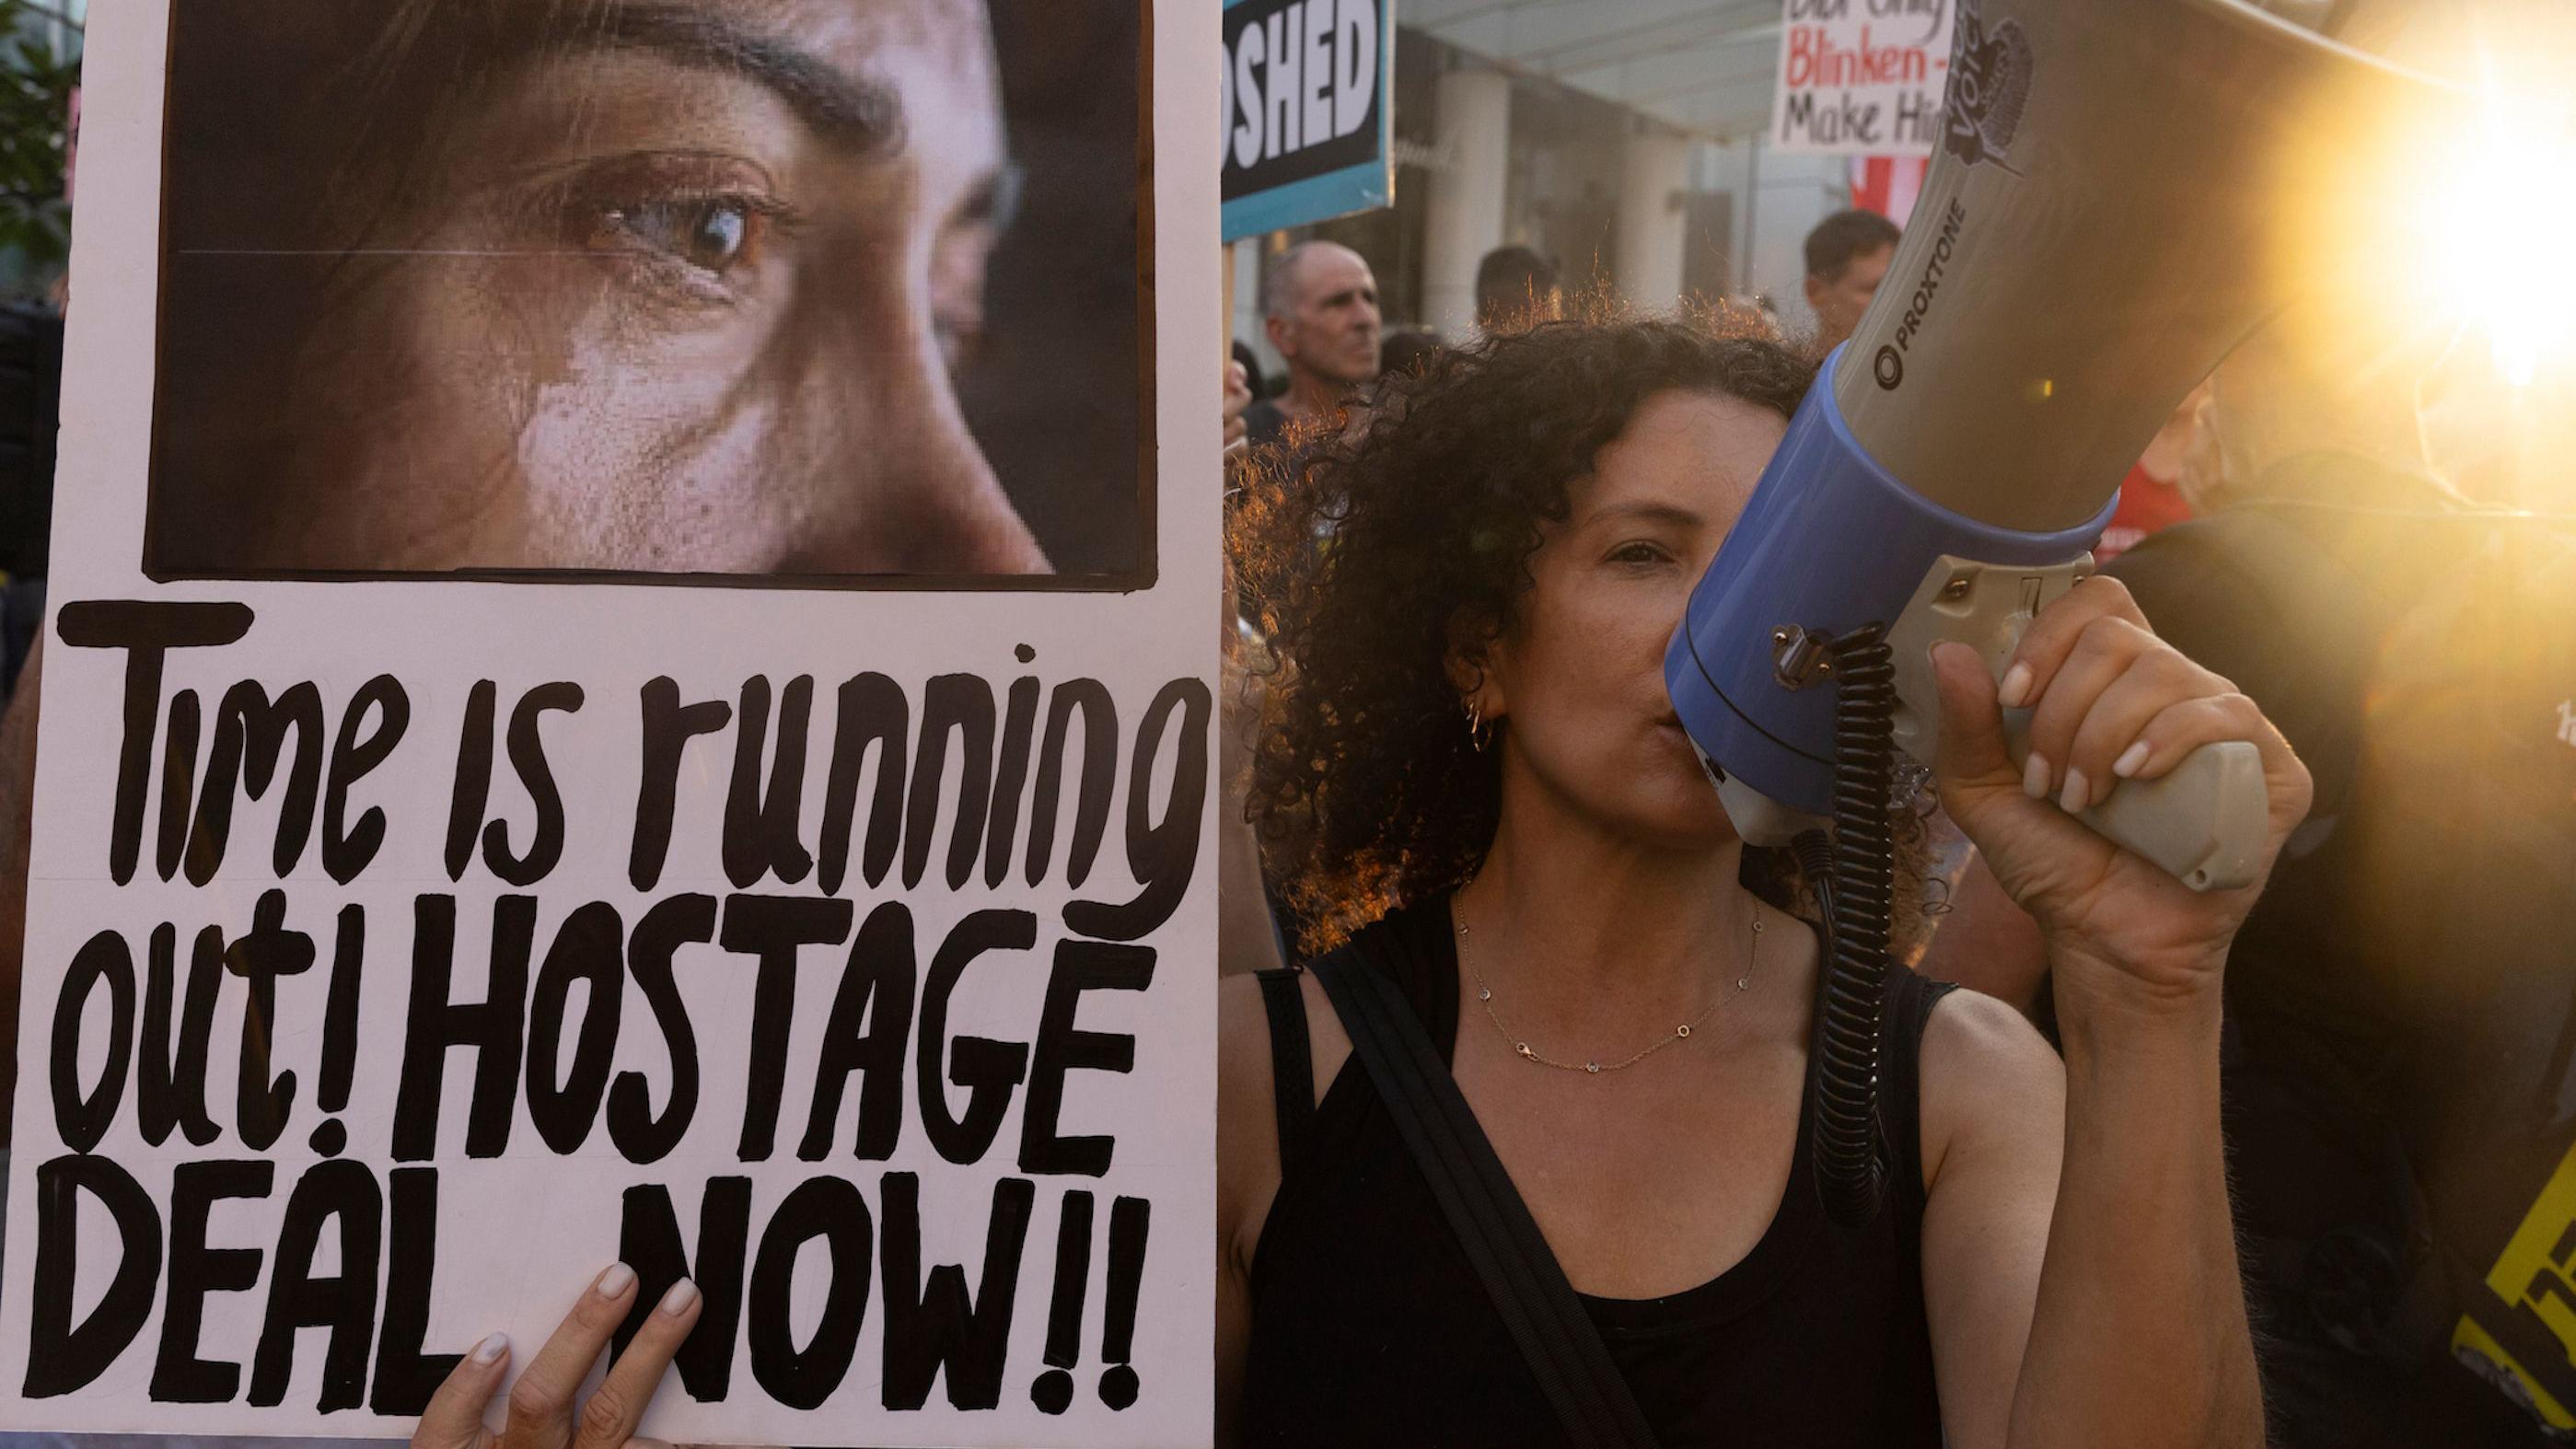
x=1246, y=1076
x=1247, y=1116
x=1243, y=1071
x=1247, y=1136
x=1988, y=1079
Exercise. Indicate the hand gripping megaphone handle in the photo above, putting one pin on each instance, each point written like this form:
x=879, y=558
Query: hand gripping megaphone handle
x=2203, y=822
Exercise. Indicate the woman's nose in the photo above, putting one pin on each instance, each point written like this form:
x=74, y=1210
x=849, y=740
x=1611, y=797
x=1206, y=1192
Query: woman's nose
x=911, y=493
x=969, y=525
x=959, y=519
x=903, y=486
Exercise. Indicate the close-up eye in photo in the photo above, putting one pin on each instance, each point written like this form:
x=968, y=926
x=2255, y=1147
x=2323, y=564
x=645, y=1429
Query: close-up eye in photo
x=383, y=354
x=712, y=236
x=680, y=209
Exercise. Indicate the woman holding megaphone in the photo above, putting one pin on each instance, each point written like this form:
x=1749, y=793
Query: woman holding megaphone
x=1571, y=1198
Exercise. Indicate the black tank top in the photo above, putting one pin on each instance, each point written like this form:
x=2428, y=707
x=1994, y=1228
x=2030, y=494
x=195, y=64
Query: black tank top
x=1369, y=1326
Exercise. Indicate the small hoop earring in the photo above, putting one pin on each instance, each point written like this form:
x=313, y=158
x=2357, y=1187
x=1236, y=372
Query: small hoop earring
x=1479, y=733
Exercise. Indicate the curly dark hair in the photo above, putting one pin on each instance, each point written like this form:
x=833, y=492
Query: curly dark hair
x=1371, y=552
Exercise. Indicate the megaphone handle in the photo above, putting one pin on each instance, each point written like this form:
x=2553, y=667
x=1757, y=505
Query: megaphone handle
x=2203, y=822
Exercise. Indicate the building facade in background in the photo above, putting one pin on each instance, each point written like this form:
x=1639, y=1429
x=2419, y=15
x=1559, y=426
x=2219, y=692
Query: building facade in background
x=1625, y=139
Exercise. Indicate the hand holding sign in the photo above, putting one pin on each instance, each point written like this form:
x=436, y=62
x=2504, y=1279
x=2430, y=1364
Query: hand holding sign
x=540, y=1413
x=856, y=985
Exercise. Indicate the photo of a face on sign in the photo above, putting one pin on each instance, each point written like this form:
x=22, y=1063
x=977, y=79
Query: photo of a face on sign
x=769, y=291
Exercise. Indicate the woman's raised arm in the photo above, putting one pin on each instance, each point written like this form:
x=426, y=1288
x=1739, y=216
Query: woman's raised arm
x=2136, y=1329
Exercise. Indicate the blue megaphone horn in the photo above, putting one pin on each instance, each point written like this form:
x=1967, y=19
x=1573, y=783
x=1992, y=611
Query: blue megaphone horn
x=2123, y=190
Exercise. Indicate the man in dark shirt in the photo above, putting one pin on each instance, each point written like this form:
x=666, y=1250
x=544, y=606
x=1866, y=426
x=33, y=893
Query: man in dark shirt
x=31, y=386
x=1847, y=256
x=1319, y=305
x=1516, y=289
x=2401, y=1004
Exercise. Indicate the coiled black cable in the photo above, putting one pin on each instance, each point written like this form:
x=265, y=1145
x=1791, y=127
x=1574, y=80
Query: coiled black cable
x=1854, y=876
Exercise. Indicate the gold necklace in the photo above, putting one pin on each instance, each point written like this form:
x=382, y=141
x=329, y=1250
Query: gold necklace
x=1522, y=1049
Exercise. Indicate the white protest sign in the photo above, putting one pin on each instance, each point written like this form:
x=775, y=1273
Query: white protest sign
x=557, y=746
x=1861, y=77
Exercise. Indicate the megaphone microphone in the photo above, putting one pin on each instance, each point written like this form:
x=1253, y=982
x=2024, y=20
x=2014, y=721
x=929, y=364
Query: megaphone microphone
x=2101, y=223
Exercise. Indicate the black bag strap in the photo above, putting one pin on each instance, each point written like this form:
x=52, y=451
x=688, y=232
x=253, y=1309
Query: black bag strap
x=1493, y=1225
x=1292, y=1068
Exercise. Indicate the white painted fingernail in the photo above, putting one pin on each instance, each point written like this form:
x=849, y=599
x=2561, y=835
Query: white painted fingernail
x=677, y=1301
x=2016, y=685
x=616, y=1280
x=2034, y=776
x=2077, y=793
x=493, y=1349
x=2132, y=761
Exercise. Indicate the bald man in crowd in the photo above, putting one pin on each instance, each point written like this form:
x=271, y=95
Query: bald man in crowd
x=1319, y=304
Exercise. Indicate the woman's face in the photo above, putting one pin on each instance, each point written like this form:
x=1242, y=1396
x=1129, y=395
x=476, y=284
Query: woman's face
x=1579, y=675
x=676, y=290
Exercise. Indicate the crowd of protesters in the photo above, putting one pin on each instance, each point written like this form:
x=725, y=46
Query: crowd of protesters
x=1445, y=749
x=2399, y=1007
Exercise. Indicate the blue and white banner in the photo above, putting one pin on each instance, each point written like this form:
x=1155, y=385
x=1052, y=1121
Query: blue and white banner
x=1309, y=111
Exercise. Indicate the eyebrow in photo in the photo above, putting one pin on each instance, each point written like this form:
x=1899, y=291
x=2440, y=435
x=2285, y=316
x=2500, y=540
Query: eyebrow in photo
x=852, y=113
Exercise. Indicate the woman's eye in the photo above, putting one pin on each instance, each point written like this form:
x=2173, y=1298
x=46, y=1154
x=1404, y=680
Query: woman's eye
x=688, y=227
x=713, y=234
x=1637, y=553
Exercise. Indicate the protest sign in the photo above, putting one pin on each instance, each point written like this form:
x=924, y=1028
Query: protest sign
x=1309, y=111
x=1861, y=77
x=559, y=743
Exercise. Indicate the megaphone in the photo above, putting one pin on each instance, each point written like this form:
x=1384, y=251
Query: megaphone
x=2123, y=190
